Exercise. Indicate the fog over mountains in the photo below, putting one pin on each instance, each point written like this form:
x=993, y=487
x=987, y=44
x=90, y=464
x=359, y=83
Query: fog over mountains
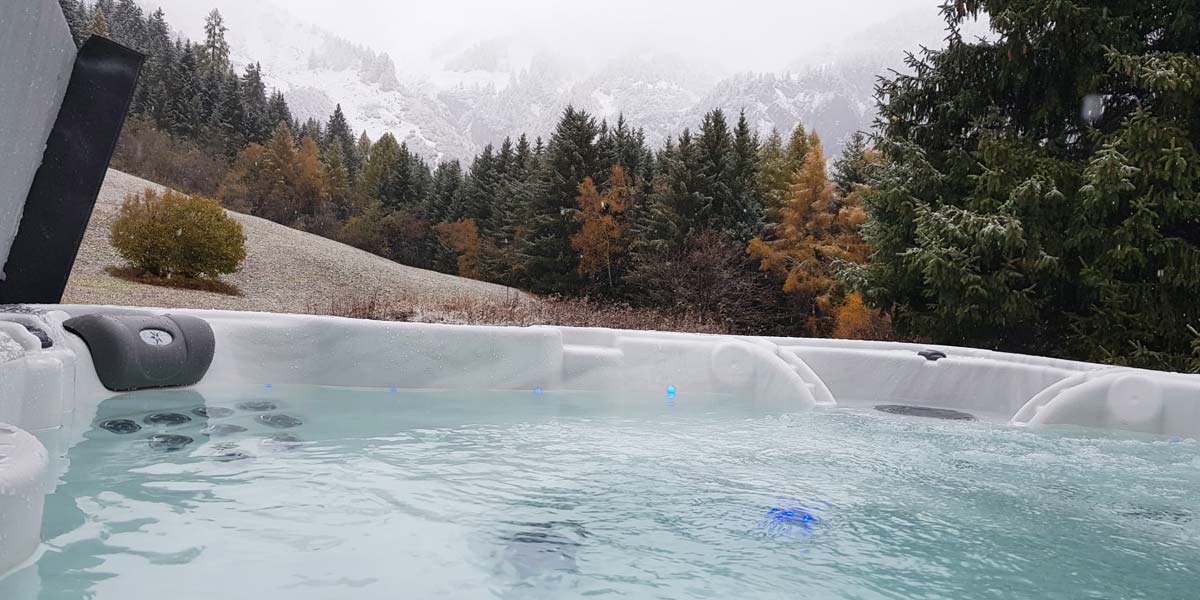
x=465, y=92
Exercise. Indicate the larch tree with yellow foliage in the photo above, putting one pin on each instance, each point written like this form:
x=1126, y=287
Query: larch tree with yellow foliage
x=462, y=237
x=817, y=228
x=602, y=227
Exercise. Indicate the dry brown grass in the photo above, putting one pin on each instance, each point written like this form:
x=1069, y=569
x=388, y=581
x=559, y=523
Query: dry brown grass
x=518, y=311
x=204, y=284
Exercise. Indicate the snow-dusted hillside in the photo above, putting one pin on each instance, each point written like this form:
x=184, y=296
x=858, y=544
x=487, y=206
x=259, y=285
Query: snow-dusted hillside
x=467, y=93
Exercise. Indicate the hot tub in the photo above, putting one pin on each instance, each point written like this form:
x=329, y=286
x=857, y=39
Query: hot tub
x=320, y=457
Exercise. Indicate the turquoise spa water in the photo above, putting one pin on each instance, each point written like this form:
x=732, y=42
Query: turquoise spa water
x=311, y=493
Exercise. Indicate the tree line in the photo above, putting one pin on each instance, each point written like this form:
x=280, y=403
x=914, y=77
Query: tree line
x=1034, y=192
x=717, y=222
x=191, y=112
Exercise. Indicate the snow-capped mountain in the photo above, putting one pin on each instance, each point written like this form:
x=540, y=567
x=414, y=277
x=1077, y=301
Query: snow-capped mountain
x=470, y=93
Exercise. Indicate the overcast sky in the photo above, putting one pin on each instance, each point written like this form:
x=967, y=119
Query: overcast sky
x=741, y=34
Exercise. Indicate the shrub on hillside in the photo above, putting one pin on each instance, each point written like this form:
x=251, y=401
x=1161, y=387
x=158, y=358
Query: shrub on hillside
x=174, y=235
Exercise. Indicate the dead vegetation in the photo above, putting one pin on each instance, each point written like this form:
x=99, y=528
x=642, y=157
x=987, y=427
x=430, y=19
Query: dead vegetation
x=517, y=310
x=203, y=284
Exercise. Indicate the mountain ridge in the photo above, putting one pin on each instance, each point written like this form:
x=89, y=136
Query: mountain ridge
x=494, y=88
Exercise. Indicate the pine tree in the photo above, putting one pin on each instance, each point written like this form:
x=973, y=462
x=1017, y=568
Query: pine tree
x=797, y=148
x=311, y=128
x=1003, y=219
x=278, y=112
x=128, y=25
x=254, y=104
x=341, y=185
x=511, y=215
x=570, y=157
x=152, y=97
x=77, y=20
x=379, y=176
x=774, y=175
x=215, y=48
x=186, y=114
x=337, y=132
x=362, y=152
x=479, y=193
x=447, y=181
x=748, y=205
x=852, y=169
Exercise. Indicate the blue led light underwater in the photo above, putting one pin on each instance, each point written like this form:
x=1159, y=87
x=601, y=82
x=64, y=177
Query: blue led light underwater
x=791, y=520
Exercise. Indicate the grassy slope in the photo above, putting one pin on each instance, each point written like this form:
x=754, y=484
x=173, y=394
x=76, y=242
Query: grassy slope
x=285, y=270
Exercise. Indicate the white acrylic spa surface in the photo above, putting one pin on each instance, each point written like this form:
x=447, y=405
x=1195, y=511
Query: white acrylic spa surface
x=326, y=457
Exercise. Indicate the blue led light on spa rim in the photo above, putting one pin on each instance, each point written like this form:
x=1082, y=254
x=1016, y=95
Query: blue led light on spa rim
x=670, y=392
x=393, y=389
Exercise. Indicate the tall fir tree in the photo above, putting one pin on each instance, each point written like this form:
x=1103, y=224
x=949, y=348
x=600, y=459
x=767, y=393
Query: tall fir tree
x=128, y=25
x=748, y=205
x=774, y=175
x=1011, y=215
x=852, y=169
x=571, y=156
x=254, y=105
x=338, y=132
x=278, y=112
x=797, y=149
x=215, y=57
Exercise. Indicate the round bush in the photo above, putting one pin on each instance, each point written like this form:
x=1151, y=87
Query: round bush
x=175, y=235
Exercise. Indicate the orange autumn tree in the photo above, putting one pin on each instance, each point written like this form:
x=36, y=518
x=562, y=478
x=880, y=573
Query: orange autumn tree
x=602, y=229
x=815, y=229
x=281, y=182
x=462, y=237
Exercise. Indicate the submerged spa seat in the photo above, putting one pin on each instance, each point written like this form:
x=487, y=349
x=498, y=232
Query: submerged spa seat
x=57, y=363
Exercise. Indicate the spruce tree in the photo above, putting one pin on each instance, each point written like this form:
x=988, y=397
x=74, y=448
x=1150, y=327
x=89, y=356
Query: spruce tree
x=480, y=187
x=748, y=203
x=447, y=180
x=726, y=199
x=852, y=169
x=277, y=110
x=797, y=149
x=341, y=186
x=186, y=114
x=380, y=174
x=128, y=25
x=510, y=219
x=1039, y=191
x=77, y=20
x=570, y=157
x=337, y=132
x=216, y=47
x=254, y=105
x=774, y=175
x=311, y=128
x=362, y=152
